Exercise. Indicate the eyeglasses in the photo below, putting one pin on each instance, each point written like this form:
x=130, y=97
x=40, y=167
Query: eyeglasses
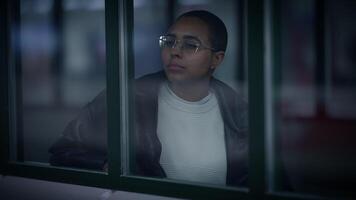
x=187, y=45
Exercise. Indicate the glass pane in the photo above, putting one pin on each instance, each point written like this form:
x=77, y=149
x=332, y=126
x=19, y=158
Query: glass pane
x=189, y=127
x=312, y=150
x=59, y=58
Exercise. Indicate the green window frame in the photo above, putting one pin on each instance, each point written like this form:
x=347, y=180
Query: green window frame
x=119, y=31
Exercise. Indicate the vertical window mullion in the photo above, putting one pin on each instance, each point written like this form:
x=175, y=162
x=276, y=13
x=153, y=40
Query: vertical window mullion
x=16, y=80
x=320, y=75
x=255, y=54
x=126, y=74
x=57, y=69
x=113, y=91
x=274, y=93
x=4, y=102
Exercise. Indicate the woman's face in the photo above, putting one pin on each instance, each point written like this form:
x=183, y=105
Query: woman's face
x=184, y=67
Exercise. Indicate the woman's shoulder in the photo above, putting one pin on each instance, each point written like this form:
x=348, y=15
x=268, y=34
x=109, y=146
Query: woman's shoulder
x=225, y=91
x=149, y=83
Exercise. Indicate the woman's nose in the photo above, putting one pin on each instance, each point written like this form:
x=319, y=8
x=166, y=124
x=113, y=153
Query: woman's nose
x=176, y=49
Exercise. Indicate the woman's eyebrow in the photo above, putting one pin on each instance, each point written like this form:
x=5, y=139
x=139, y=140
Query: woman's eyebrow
x=191, y=37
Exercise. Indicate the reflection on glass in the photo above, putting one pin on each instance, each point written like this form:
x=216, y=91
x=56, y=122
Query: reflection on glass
x=189, y=126
x=60, y=67
x=148, y=26
x=314, y=108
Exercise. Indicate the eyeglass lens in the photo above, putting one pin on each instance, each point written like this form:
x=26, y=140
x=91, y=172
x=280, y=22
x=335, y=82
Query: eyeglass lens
x=187, y=45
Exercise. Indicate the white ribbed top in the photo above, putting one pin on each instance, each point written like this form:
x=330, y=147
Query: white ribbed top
x=192, y=137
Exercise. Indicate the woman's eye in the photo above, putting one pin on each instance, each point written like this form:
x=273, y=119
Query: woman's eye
x=189, y=45
x=168, y=43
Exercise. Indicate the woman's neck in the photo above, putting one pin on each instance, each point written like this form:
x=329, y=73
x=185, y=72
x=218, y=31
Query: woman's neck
x=190, y=91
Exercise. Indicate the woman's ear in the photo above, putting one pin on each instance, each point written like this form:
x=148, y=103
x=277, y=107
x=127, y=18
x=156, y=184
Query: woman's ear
x=217, y=58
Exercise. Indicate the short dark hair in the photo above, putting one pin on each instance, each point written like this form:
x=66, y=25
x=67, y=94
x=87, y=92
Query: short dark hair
x=217, y=28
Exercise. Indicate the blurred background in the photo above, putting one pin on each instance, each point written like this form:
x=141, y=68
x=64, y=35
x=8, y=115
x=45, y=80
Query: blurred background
x=59, y=62
x=313, y=94
x=59, y=65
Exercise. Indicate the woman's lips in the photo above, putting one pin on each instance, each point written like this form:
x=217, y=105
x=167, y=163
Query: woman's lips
x=175, y=67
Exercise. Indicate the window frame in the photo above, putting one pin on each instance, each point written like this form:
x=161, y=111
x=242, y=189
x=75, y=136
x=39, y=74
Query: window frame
x=119, y=52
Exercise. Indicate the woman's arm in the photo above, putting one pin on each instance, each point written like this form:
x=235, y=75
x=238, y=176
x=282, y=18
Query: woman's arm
x=83, y=143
